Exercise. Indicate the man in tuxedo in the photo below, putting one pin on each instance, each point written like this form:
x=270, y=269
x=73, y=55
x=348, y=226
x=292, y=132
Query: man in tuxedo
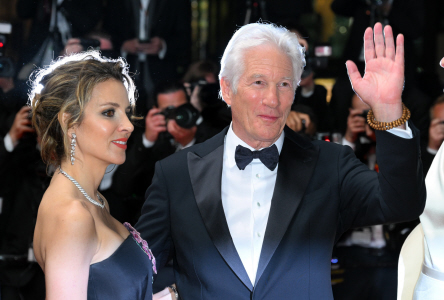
x=243, y=224
x=155, y=37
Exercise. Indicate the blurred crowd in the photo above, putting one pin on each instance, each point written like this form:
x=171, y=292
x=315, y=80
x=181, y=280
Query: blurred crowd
x=178, y=106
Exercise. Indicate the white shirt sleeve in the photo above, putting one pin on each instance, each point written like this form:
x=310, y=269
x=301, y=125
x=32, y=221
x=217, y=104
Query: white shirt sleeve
x=146, y=142
x=347, y=143
x=163, y=52
x=9, y=145
x=404, y=133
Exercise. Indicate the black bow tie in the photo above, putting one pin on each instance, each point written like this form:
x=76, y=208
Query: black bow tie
x=268, y=156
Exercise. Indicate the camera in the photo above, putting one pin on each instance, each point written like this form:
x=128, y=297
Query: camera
x=90, y=43
x=186, y=115
x=318, y=61
x=364, y=114
x=209, y=92
x=6, y=64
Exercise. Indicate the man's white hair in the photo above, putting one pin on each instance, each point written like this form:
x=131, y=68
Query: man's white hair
x=256, y=34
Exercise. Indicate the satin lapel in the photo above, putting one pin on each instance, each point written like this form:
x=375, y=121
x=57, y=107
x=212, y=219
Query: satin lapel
x=206, y=177
x=296, y=166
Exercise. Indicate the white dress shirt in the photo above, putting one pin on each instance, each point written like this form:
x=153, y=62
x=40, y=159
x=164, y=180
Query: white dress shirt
x=246, y=199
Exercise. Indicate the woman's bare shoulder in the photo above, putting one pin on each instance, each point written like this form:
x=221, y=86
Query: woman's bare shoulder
x=64, y=224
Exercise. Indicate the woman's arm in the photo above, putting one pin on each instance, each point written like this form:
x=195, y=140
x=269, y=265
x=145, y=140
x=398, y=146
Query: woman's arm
x=69, y=243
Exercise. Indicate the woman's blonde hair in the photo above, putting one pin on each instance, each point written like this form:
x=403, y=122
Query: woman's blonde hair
x=66, y=86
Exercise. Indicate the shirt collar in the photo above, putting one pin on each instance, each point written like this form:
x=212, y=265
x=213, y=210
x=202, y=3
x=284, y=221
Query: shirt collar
x=232, y=140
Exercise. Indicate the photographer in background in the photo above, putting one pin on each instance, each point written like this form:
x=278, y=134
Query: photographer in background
x=359, y=135
x=202, y=87
x=95, y=40
x=24, y=180
x=436, y=133
x=302, y=120
x=310, y=94
x=124, y=186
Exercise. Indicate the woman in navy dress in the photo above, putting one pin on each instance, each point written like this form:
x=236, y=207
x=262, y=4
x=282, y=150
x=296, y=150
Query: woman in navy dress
x=82, y=108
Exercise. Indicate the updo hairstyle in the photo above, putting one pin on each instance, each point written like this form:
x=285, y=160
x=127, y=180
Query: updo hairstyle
x=66, y=86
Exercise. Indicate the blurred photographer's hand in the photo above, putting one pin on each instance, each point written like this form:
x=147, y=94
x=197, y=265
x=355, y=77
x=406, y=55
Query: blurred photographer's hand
x=131, y=46
x=72, y=46
x=355, y=124
x=21, y=125
x=436, y=134
x=153, y=47
x=154, y=124
x=294, y=120
x=181, y=135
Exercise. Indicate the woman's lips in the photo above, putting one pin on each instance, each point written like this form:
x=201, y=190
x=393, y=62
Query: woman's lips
x=121, y=143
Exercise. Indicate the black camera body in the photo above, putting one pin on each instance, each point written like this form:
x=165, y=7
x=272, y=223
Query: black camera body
x=90, y=43
x=186, y=115
x=318, y=61
x=364, y=114
x=6, y=67
x=209, y=92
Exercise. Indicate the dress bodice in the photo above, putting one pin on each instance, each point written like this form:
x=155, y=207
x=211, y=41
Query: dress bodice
x=126, y=274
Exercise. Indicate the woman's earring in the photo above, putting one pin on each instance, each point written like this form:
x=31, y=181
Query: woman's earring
x=73, y=148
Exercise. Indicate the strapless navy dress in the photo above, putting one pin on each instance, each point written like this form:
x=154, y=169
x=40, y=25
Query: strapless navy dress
x=126, y=274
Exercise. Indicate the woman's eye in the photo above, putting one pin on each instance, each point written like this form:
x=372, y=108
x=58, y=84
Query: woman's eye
x=108, y=113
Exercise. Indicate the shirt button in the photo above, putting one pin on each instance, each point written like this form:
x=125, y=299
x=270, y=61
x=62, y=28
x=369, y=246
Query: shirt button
x=258, y=204
x=258, y=234
x=258, y=175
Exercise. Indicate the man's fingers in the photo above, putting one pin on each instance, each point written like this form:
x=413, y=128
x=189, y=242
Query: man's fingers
x=369, y=46
x=353, y=73
x=399, y=58
x=379, y=41
x=389, y=43
x=442, y=62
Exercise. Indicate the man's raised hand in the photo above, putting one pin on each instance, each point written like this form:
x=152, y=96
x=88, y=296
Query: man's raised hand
x=382, y=84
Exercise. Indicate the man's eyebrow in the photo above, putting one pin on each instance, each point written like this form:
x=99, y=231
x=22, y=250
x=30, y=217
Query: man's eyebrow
x=257, y=76
x=262, y=75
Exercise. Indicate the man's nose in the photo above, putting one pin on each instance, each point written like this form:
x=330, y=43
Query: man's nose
x=271, y=97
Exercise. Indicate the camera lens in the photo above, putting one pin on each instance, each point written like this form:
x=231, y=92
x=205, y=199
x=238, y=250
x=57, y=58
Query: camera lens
x=186, y=115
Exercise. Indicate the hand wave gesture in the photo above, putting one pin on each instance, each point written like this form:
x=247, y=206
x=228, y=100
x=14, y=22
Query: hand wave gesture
x=383, y=81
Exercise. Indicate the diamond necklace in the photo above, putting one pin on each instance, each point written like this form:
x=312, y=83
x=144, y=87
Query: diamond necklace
x=101, y=205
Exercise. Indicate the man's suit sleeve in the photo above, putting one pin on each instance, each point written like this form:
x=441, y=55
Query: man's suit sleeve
x=395, y=194
x=154, y=223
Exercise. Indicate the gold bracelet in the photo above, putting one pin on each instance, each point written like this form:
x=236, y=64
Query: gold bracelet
x=388, y=125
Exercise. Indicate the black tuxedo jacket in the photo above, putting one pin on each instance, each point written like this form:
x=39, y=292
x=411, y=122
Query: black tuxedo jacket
x=167, y=19
x=321, y=191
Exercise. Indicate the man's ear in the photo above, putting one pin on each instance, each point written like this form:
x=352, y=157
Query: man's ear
x=225, y=88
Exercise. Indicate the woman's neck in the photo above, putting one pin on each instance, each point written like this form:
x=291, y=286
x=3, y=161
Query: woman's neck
x=87, y=175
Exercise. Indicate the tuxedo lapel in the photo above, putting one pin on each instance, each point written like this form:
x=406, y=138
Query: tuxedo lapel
x=206, y=177
x=296, y=164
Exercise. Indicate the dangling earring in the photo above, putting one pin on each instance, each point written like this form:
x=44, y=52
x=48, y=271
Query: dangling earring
x=73, y=148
